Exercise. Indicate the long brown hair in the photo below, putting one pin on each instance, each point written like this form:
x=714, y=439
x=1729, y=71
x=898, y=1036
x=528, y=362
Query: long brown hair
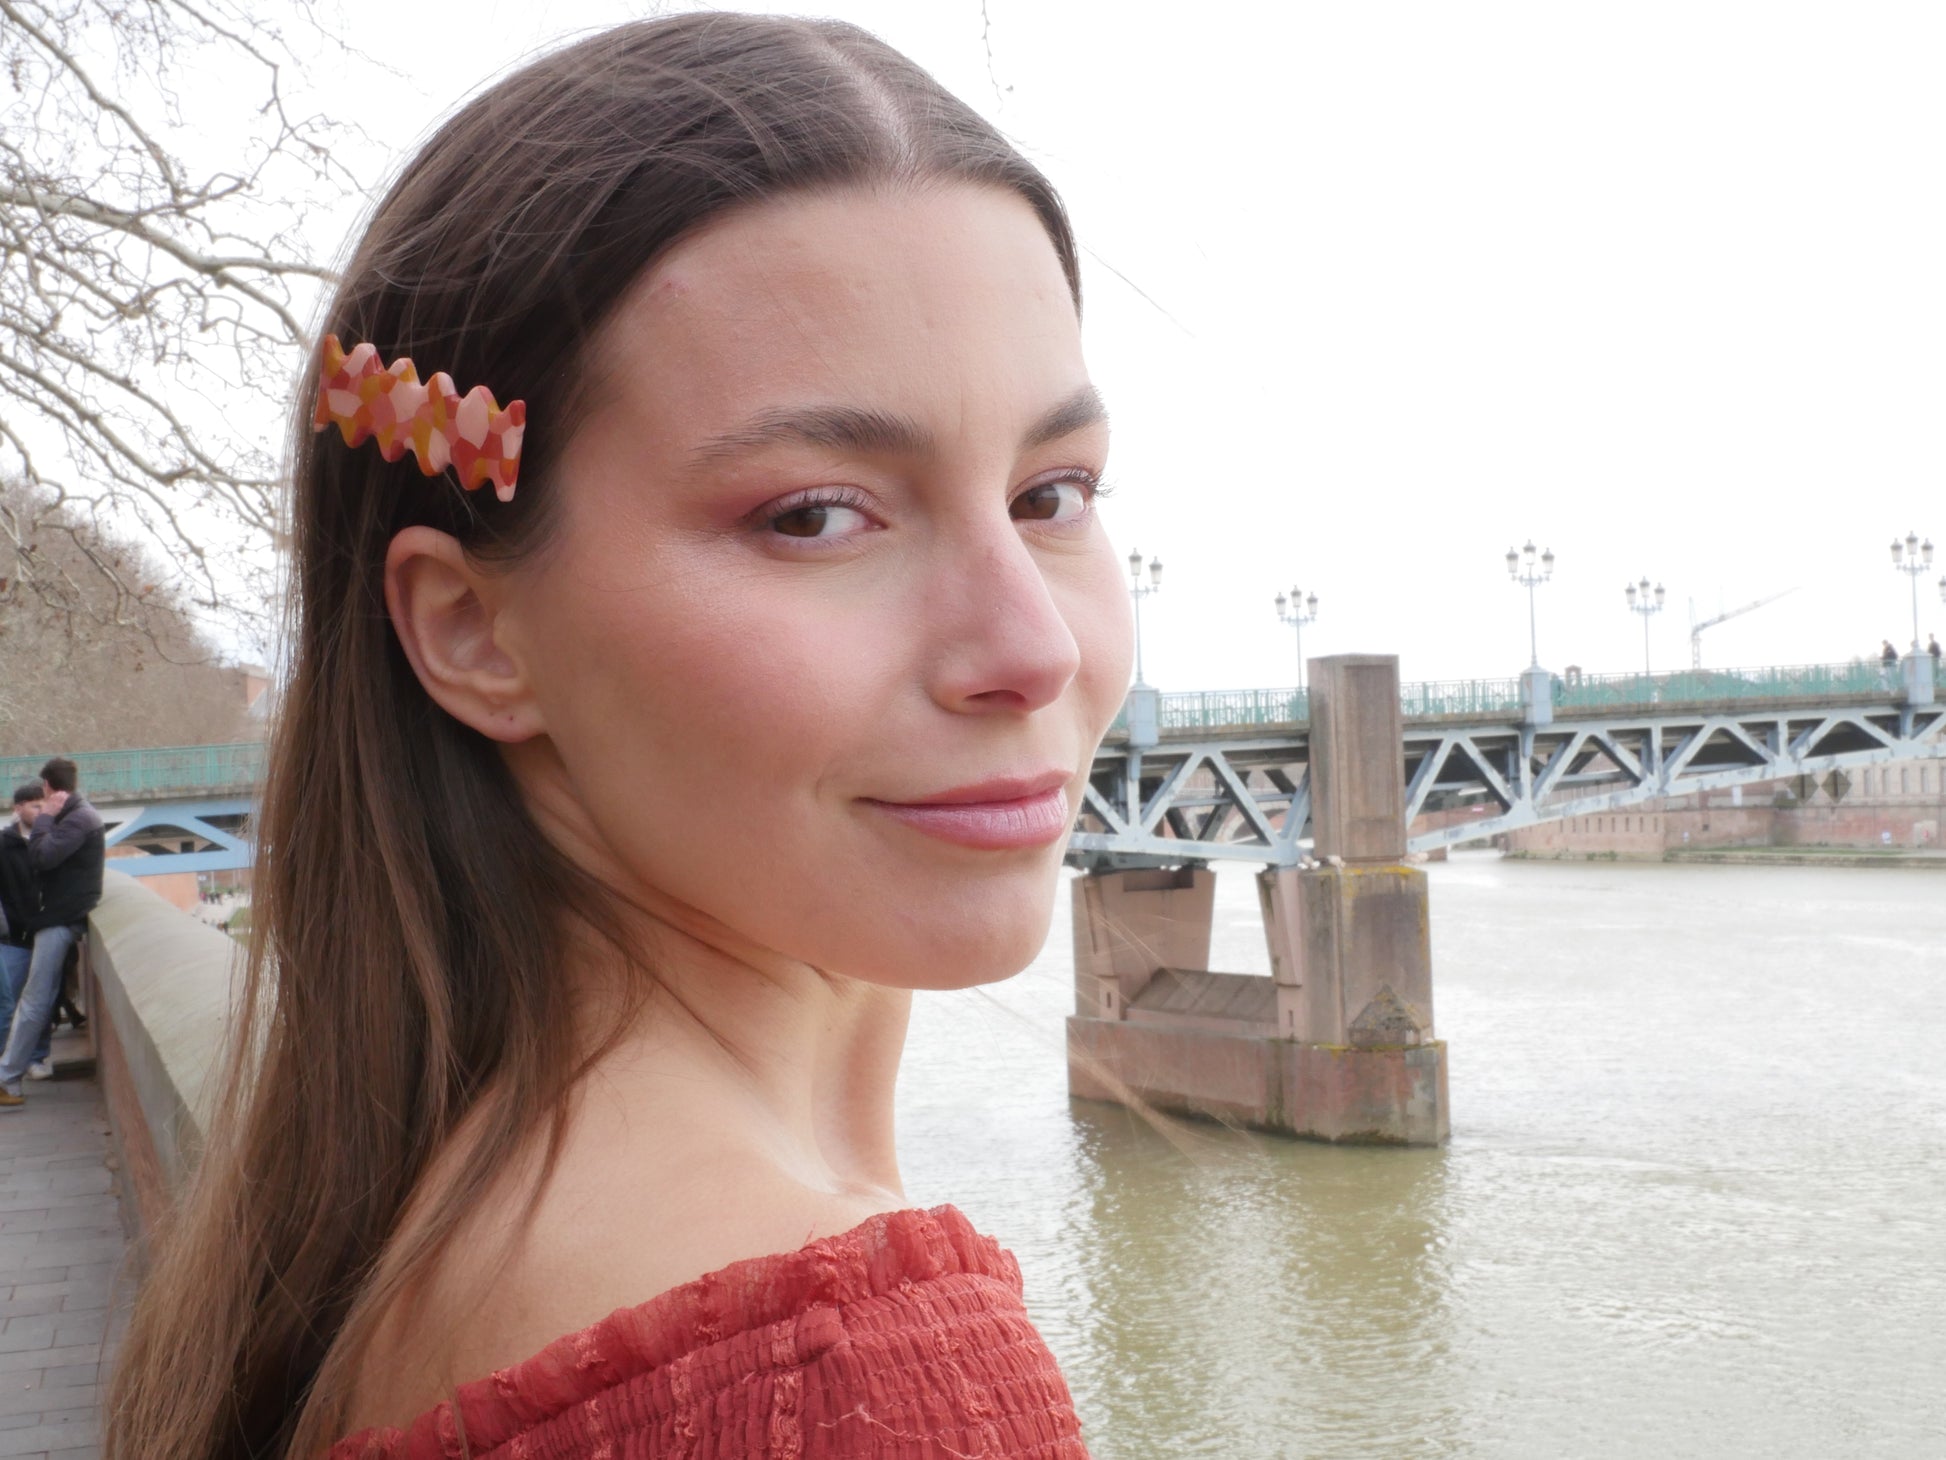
x=409, y=918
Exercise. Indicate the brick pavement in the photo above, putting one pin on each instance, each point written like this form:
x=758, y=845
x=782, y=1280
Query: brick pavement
x=63, y=1287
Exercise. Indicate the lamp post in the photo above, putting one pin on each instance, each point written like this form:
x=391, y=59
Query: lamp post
x=1297, y=611
x=1912, y=558
x=1530, y=573
x=1640, y=601
x=1138, y=590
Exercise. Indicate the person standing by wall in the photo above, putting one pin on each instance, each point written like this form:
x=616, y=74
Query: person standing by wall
x=20, y=905
x=67, y=848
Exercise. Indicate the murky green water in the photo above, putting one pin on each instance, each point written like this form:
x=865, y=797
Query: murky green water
x=1694, y=1205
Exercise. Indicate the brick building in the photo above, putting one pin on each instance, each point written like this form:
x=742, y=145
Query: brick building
x=1898, y=806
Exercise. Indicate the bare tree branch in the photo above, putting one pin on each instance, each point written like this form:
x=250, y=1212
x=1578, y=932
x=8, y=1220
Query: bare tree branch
x=152, y=309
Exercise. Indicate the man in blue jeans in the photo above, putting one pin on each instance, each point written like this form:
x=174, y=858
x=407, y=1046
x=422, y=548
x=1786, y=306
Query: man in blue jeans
x=67, y=848
x=20, y=906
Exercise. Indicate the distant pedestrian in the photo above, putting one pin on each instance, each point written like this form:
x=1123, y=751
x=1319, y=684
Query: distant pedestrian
x=1932, y=648
x=1888, y=656
x=67, y=848
x=20, y=905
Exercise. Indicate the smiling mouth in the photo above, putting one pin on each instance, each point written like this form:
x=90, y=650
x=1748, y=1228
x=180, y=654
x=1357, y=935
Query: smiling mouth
x=1002, y=823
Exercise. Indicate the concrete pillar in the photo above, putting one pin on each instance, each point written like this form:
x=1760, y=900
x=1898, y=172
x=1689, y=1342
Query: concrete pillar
x=1277, y=899
x=1917, y=675
x=1129, y=924
x=1357, y=761
x=1344, y=1048
x=1143, y=707
x=1537, y=696
x=1351, y=954
x=1351, y=941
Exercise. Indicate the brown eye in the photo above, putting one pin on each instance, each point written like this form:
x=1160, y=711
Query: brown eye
x=818, y=520
x=802, y=522
x=1050, y=502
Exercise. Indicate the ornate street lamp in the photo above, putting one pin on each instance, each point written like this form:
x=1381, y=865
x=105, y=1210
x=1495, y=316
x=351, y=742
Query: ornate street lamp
x=1912, y=558
x=1138, y=590
x=1640, y=601
x=1297, y=611
x=1530, y=573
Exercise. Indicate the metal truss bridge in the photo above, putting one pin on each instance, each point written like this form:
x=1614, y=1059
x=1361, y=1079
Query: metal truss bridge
x=182, y=808
x=1227, y=777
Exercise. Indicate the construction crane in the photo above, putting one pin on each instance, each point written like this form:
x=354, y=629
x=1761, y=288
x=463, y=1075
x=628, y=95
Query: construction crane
x=1696, y=629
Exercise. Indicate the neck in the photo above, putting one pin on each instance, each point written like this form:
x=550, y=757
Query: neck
x=762, y=1059
x=741, y=1106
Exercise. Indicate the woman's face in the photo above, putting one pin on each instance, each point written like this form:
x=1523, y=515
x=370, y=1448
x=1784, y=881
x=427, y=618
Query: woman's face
x=831, y=628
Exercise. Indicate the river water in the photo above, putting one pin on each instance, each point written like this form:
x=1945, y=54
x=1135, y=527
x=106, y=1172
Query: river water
x=1694, y=1203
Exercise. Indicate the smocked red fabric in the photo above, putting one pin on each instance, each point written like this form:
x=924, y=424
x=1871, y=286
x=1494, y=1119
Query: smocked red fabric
x=902, y=1339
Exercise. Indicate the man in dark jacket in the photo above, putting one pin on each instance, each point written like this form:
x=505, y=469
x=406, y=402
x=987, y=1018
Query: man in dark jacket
x=68, y=849
x=20, y=906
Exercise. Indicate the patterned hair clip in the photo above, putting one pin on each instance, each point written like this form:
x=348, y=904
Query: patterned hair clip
x=442, y=428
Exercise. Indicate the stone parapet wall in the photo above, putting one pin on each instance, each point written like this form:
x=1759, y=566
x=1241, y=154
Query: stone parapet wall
x=1395, y=1096
x=1720, y=822
x=163, y=988
x=1633, y=833
x=1910, y=825
x=1887, y=806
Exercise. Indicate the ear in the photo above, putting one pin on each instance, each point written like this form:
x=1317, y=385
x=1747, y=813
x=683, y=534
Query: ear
x=444, y=610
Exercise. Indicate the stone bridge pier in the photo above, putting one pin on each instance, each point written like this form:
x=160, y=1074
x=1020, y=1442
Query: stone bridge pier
x=1338, y=1043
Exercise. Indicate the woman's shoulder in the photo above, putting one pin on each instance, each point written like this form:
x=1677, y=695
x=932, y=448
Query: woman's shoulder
x=606, y=1233
x=781, y=1342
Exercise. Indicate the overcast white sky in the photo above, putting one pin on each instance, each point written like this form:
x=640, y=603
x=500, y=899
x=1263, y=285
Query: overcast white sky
x=1378, y=291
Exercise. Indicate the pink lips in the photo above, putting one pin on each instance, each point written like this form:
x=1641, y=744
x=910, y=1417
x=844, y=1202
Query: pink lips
x=998, y=815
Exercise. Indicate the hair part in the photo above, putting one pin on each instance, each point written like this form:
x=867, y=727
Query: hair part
x=28, y=791
x=410, y=923
x=61, y=774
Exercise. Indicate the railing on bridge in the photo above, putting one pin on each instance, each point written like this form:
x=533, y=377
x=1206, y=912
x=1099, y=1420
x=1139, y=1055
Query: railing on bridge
x=1236, y=708
x=201, y=770
x=1726, y=686
x=1196, y=709
x=167, y=771
x=1459, y=697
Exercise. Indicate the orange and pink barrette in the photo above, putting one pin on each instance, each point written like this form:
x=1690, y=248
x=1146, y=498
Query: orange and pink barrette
x=441, y=427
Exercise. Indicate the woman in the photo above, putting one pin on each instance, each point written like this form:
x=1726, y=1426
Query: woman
x=610, y=825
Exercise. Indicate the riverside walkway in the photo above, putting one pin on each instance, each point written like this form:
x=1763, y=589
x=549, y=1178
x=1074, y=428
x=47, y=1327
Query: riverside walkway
x=64, y=1283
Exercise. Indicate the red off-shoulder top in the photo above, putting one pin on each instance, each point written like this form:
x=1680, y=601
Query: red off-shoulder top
x=902, y=1339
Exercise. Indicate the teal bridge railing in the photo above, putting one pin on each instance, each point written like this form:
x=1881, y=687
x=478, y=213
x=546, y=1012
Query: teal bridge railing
x=163, y=773
x=188, y=771
x=1428, y=699
x=1859, y=678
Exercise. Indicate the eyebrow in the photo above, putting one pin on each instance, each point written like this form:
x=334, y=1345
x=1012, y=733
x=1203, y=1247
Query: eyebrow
x=1082, y=409
x=850, y=428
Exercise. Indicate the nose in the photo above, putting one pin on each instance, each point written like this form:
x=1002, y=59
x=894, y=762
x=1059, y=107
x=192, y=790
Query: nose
x=1000, y=642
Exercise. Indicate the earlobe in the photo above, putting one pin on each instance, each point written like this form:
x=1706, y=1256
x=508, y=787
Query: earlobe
x=444, y=609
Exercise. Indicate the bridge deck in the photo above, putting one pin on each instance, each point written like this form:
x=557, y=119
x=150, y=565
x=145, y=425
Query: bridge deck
x=1236, y=786
x=1228, y=776
x=1117, y=738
